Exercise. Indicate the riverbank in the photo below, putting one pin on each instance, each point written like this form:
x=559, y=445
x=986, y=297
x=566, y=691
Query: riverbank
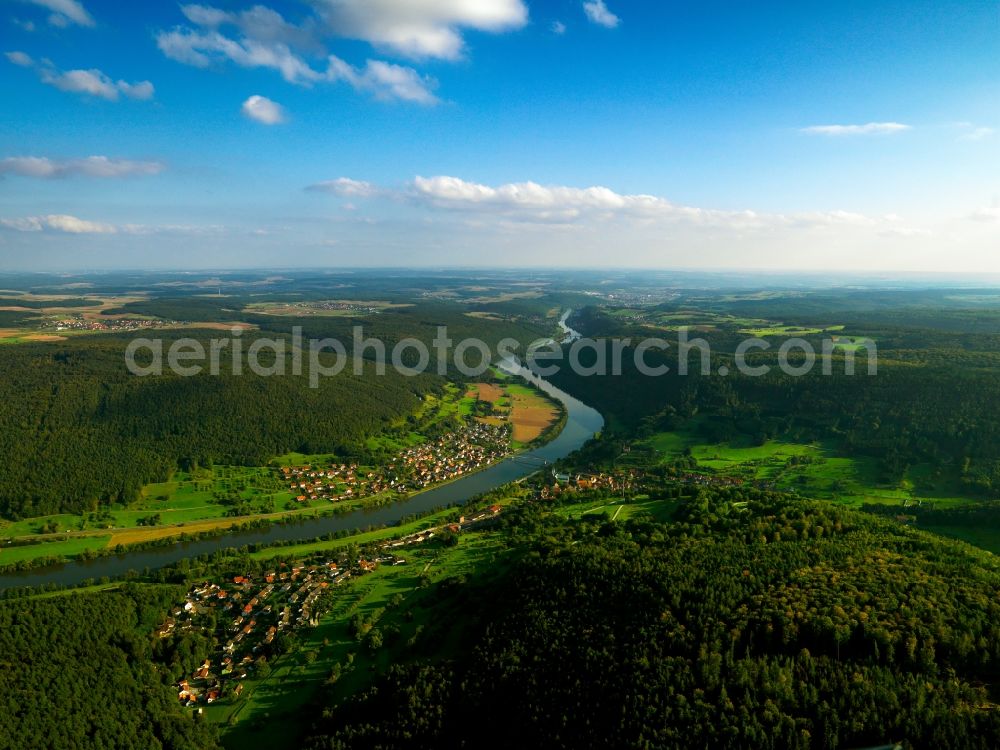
x=581, y=423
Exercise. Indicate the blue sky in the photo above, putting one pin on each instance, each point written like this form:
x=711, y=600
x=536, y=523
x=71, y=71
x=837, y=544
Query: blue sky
x=698, y=134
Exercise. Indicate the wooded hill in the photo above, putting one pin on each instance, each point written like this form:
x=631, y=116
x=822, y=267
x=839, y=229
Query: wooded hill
x=935, y=400
x=77, y=429
x=753, y=620
x=78, y=673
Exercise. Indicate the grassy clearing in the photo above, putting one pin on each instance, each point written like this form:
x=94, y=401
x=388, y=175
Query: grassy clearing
x=851, y=343
x=96, y=588
x=323, y=309
x=187, y=498
x=810, y=469
x=619, y=510
x=67, y=548
x=781, y=330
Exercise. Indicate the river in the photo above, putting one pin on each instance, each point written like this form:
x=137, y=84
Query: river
x=582, y=422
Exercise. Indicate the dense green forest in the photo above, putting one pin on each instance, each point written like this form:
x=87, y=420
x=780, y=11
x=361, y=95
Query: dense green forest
x=39, y=304
x=751, y=620
x=935, y=400
x=77, y=429
x=78, y=673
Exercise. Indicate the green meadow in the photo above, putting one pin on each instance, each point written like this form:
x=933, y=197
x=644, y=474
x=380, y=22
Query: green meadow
x=187, y=497
x=10, y=554
x=809, y=469
x=620, y=510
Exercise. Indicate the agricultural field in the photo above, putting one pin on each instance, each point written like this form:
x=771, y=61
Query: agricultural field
x=529, y=412
x=323, y=308
x=28, y=318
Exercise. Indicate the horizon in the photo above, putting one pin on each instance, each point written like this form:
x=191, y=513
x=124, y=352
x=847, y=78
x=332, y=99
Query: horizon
x=834, y=277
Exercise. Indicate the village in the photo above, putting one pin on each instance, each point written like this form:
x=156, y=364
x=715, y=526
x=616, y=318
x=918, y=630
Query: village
x=246, y=615
x=556, y=483
x=474, y=447
x=79, y=323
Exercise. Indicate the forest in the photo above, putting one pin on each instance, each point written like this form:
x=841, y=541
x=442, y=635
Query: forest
x=79, y=672
x=77, y=430
x=935, y=399
x=751, y=620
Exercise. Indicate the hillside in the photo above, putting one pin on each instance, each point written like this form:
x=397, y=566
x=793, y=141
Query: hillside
x=751, y=620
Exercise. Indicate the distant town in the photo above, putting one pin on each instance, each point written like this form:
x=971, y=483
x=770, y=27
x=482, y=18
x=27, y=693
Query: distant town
x=79, y=323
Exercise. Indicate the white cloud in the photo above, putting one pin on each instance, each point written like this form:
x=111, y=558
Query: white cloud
x=260, y=24
x=530, y=202
x=20, y=58
x=871, y=128
x=67, y=224
x=346, y=187
x=533, y=202
x=420, y=28
x=65, y=12
x=259, y=37
x=558, y=27
x=91, y=166
x=598, y=13
x=142, y=90
x=986, y=214
x=58, y=223
x=383, y=80
x=92, y=82
x=263, y=110
x=201, y=48
x=28, y=26
x=530, y=199
x=974, y=133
